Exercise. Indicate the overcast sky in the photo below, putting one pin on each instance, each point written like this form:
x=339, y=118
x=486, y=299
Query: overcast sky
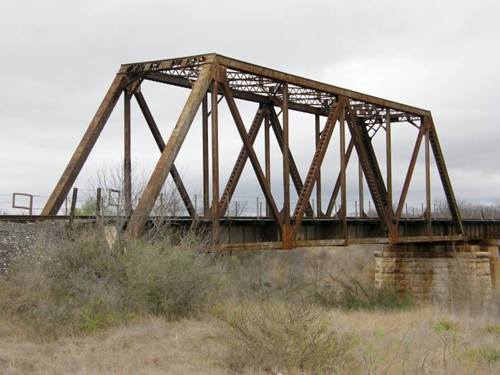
x=59, y=57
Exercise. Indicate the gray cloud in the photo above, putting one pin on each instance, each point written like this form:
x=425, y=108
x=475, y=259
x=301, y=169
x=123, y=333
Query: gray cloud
x=58, y=58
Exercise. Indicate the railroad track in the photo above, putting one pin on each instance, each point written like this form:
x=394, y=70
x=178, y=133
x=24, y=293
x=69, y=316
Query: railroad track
x=36, y=218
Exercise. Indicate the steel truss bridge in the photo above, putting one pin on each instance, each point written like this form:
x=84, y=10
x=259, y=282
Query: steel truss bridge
x=212, y=78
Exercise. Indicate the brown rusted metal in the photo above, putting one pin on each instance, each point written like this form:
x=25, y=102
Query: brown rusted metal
x=85, y=146
x=164, y=165
x=388, y=156
x=241, y=161
x=214, y=116
x=238, y=94
x=277, y=245
x=294, y=171
x=267, y=156
x=314, y=85
x=476, y=230
x=127, y=164
x=409, y=173
x=307, y=95
x=316, y=162
x=443, y=174
x=153, y=127
x=343, y=183
x=98, y=204
x=210, y=73
x=317, y=131
x=72, y=210
x=204, y=135
x=338, y=182
x=361, y=195
x=251, y=153
x=427, y=213
x=287, y=230
x=369, y=163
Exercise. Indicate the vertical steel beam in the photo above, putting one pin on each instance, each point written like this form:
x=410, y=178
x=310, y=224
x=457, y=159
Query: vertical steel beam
x=343, y=187
x=318, y=181
x=427, y=179
x=167, y=158
x=388, y=159
x=85, y=146
x=361, y=190
x=214, y=116
x=336, y=188
x=286, y=231
x=127, y=164
x=294, y=171
x=72, y=209
x=98, y=204
x=206, y=182
x=267, y=157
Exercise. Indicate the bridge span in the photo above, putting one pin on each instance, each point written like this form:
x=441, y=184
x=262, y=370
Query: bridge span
x=261, y=233
x=358, y=117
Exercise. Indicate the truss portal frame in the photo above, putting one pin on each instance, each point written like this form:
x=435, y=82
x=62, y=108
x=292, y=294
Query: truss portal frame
x=222, y=77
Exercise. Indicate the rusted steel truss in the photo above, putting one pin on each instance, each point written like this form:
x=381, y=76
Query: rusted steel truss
x=233, y=80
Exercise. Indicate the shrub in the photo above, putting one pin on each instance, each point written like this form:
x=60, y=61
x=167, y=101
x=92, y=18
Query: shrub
x=493, y=329
x=63, y=283
x=489, y=355
x=82, y=285
x=174, y=282
x=446, y=326
x=268, y=275
x=277, y=336
x=332, y=279
x=352, y=294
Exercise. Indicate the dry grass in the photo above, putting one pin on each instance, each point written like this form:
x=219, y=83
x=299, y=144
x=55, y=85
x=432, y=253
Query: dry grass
x=166, y=308
x=80, y=285
x=274, y=337
x=146, y=346
x=422, y=341
x=412, y=342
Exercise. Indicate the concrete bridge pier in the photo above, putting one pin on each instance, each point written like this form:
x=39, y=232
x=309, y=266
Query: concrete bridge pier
x=440, y=272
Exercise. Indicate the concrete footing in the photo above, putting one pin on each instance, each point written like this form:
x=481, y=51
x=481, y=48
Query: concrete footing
x=440, y=272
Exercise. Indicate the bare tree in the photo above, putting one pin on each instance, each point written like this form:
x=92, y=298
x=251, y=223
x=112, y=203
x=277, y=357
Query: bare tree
x=111, y=181
x=237, y=208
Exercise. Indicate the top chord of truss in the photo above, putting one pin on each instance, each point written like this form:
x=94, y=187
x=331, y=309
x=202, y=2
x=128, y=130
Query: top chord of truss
x=263, y=85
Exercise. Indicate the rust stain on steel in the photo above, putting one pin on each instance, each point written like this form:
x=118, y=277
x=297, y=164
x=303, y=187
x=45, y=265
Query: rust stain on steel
x=153, y=127
x=317, y=160
x=294, y=171
x=371, y=169
x=251, y=153
x=83, y=149
x=127, y=165
x=443, y=174
x=204, y=125
x=215, y=158
x=241, y=161
x=164, y=165
x=363, y=115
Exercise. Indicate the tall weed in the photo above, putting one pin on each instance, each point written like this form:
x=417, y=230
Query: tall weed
x=81, y=285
